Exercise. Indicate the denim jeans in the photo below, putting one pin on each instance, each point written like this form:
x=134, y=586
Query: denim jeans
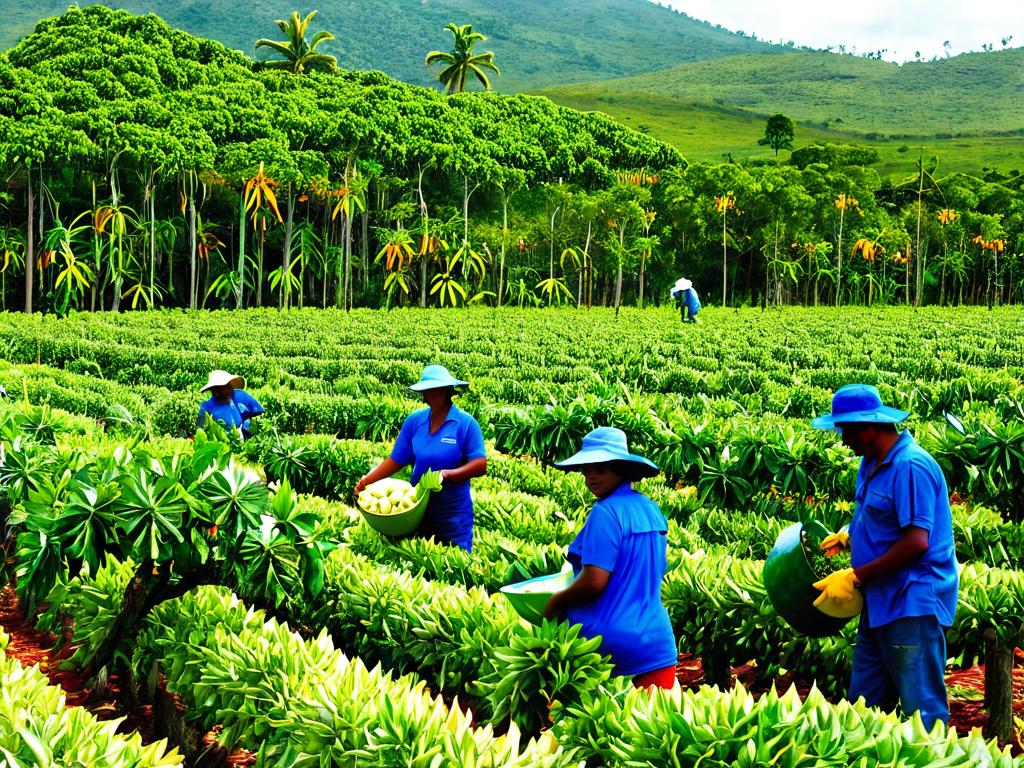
x=903, y=663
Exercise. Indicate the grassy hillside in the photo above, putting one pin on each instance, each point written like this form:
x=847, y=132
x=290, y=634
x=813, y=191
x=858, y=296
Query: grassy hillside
x=536, y=42
x=704, y=132
x=972, y=93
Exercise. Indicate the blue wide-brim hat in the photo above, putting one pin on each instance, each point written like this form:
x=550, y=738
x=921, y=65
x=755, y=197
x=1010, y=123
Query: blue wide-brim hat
x=435, y=377
x=858, y=404
x=607, y=444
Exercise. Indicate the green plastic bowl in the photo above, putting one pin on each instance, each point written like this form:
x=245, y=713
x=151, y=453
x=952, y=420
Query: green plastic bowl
x=530, y=604
x=789, y=581
x=401, y=524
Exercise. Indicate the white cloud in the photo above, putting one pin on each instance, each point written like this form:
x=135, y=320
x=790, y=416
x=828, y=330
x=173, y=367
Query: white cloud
x=903, y=27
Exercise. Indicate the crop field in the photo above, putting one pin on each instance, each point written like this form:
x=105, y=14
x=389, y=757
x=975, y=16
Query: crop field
x=239, y=581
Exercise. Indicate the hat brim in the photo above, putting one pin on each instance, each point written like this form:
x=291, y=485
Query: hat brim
x=646, y=467
x=883, y=415
x=238, y=382
x=423, y=386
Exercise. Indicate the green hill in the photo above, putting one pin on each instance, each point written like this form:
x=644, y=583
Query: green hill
x=703, y=132
x=977, y=93
x=536, y=42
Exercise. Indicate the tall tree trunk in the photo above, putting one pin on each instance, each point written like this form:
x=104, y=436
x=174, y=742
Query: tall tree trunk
x=151, y=191
x=585, y=269
x=259, y=268
x=30, y=250
x=919, y=277
x=286, y=257
x=426, y=232
x=465, y=209
x=240, y=294
x=618, y=277
x=643, y=262
x=551, y=245
x=504, y=245
x=364, y=248
x=96, y=252
x=725, y=262
x=839, y=255
x=193, y=274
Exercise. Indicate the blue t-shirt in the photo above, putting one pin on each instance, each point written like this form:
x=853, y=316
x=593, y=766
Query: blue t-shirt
x=449, y=516
x=691, y=301
x=233, y=414
x=625, y=534
x=908, y=488
x=247, y=406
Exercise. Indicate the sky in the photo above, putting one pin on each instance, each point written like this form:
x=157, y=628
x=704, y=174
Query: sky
x=901, y=26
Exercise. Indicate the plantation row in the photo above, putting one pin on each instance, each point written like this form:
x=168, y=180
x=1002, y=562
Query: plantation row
x=727, y=458
x=236, y=670
x=687, y=587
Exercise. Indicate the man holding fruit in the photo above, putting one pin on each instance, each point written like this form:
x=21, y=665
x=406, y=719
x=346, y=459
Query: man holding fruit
x=902, y=557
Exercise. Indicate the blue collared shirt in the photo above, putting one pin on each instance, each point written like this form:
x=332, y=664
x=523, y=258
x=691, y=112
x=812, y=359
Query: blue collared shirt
x=449, y=515
x=907, y=488
x=625, y=534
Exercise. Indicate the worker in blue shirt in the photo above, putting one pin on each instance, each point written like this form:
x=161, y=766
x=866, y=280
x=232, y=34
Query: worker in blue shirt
x=228, y=403
x=902, y=557
x=689, y=304
x=619, y=560
x=440, y=437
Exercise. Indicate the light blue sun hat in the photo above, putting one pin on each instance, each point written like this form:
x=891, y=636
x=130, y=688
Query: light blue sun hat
x=607, y=444
x=858, y=404
x=435, y=377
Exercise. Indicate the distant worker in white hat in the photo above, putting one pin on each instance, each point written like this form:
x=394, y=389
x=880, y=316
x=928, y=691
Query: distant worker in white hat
x=686, y=296
x=229, y=403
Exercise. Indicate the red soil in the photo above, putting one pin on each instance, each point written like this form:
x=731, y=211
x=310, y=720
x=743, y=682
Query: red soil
x=33, y=648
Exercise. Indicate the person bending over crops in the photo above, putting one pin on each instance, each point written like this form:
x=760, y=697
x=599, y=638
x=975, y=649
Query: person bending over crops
x=440, y=437
x=229, y=403
x=686, y=297
x=902, y=557
x=619, y=559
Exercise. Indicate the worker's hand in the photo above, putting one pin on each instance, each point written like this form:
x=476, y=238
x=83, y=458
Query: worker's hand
x=837, y=586
x=553, y=607
x=835, y=543
x=360, y=485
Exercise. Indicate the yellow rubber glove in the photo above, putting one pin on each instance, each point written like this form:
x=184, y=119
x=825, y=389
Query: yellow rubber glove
x=837, y=586
x=836, y=541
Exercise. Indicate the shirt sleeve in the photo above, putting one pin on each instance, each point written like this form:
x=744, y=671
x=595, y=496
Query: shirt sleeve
x=247, y=404
x=600, y=539
x=916, y=494
x=402, y=453
x=473, y=442
x=201, y=419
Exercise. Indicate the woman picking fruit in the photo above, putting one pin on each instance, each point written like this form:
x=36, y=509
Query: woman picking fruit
x=619, y=560
x=440, y=437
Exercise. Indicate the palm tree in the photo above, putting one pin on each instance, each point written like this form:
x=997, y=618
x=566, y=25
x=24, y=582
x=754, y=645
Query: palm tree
x=299, y=56
x=461, y=61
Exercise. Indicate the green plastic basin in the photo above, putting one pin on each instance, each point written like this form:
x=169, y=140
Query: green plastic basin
x=789, y=581
x=401, y=524
x=529, y=597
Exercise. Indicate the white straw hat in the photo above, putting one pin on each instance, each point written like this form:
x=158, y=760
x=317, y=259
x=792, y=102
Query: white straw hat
x=220, y=378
